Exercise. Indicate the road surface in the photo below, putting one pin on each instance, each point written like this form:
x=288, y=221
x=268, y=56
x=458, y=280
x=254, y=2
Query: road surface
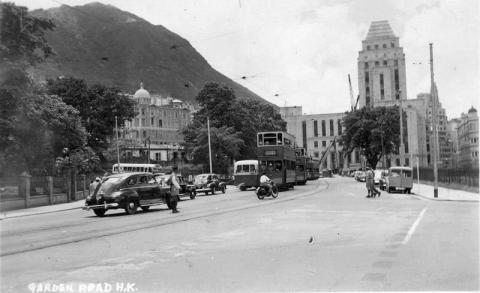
x=324, y=236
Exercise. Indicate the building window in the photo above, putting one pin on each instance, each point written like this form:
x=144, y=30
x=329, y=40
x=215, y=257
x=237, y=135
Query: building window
x=367, y=90
x=144, y=134
x=315, y=128
x=385, y=62
x=395, y=62
x=315, y=144
x=143, y=122
x=367, y=77
x=392, y=45
x=152, y=122
x=331, y=128
x=315, y=154
x=160, y=123
x=324, y=143
x=376, y=46
x=382, y=90
x=339, y=126
x=324, y=131
x=384, y=46
x=366, y=65
x=377, y=63
x=143, y=111
x=367, y=100
x=136, y=122
x=368, y=47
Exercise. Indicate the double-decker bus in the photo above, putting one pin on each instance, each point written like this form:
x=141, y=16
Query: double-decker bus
x=276, y=154
x=301, y=166
x=313, y=169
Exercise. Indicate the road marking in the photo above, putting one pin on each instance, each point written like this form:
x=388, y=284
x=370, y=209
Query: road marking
x=414, y=226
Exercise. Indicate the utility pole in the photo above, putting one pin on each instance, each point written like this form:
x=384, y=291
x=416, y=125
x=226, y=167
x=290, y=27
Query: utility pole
x=118, y=152
x=433, y=94
x=402, y=146
x=209, y=145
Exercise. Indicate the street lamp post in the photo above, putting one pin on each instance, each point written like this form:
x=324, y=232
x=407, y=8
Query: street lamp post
x=433, y=95
x=402, y=146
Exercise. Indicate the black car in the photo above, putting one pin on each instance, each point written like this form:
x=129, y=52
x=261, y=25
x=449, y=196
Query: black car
x=186, y=190
x=209, y=183
x=127, y=191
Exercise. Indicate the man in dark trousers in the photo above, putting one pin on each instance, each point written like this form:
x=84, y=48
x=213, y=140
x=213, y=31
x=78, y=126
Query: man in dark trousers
x=174, y=190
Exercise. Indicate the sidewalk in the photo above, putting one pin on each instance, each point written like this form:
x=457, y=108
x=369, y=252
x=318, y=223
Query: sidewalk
x=425, y=191
x=43, y=209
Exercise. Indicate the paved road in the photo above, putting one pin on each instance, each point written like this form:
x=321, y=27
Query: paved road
x=325, y=236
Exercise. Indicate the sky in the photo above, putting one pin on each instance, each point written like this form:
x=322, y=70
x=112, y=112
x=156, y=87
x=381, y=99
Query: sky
x=299, y=53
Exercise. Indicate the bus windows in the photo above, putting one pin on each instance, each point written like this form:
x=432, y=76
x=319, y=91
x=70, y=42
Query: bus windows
x=253, y=169
x=239, y=169
x=270, y=138
x=260, y=139
x=278, y=166
x=279, y=139
x=245, y=168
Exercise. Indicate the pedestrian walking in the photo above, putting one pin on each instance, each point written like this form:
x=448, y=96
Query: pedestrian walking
x=369, y=181
x=174, y=190
x=373, y=192
x=93, y=185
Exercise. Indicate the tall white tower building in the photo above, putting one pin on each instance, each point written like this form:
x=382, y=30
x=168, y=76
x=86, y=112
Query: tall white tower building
x=381, y=66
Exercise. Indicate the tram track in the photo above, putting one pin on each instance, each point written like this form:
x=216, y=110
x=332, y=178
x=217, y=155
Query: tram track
x=184, y=217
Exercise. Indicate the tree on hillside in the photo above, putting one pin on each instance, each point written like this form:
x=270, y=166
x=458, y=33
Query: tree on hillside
x=372, y=130
x=97, y=105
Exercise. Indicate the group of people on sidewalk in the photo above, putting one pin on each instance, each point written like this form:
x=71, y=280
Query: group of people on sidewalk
x=370, y=184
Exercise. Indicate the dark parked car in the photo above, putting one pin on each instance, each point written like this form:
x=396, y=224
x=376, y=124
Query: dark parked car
x=186, y=190
x=127, y=191
x=209, y=183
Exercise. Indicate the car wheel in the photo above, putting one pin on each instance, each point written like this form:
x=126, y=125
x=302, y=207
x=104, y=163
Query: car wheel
x=243, y=188
x=223, y=189
x=213, y=190
x=260, y=196
x=409, y=191
x=100, y=212
x=193, y=195
x=389, y=189
x=146, y=208
x=131, y=207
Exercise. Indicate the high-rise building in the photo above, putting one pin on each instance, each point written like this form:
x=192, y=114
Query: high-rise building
x=445, y=145
x=381, y=66
x=382, y=82
x=468, y=139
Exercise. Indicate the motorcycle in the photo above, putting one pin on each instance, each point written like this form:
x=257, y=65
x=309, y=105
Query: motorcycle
x=262, y=191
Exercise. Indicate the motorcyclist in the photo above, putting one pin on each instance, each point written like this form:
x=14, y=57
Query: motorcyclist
x=266, y=182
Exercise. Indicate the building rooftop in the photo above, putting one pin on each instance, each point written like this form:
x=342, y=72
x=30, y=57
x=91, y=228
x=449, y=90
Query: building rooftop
x=472, y=110
x=379, y=30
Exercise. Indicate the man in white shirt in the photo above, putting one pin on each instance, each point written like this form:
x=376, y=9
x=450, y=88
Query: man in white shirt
x=265, y=181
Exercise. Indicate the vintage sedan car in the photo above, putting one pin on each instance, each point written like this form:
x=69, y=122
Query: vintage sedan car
x=127, y=191
x=186, y=190
x=209, y=183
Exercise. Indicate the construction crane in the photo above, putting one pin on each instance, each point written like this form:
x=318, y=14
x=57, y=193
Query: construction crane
x=353, y=103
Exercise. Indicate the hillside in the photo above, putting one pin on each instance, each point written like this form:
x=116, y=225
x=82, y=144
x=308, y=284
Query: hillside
x=100, y=43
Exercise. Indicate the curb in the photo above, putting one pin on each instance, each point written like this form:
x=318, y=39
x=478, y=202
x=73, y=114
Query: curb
x=37, y=213
x=437, y=199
